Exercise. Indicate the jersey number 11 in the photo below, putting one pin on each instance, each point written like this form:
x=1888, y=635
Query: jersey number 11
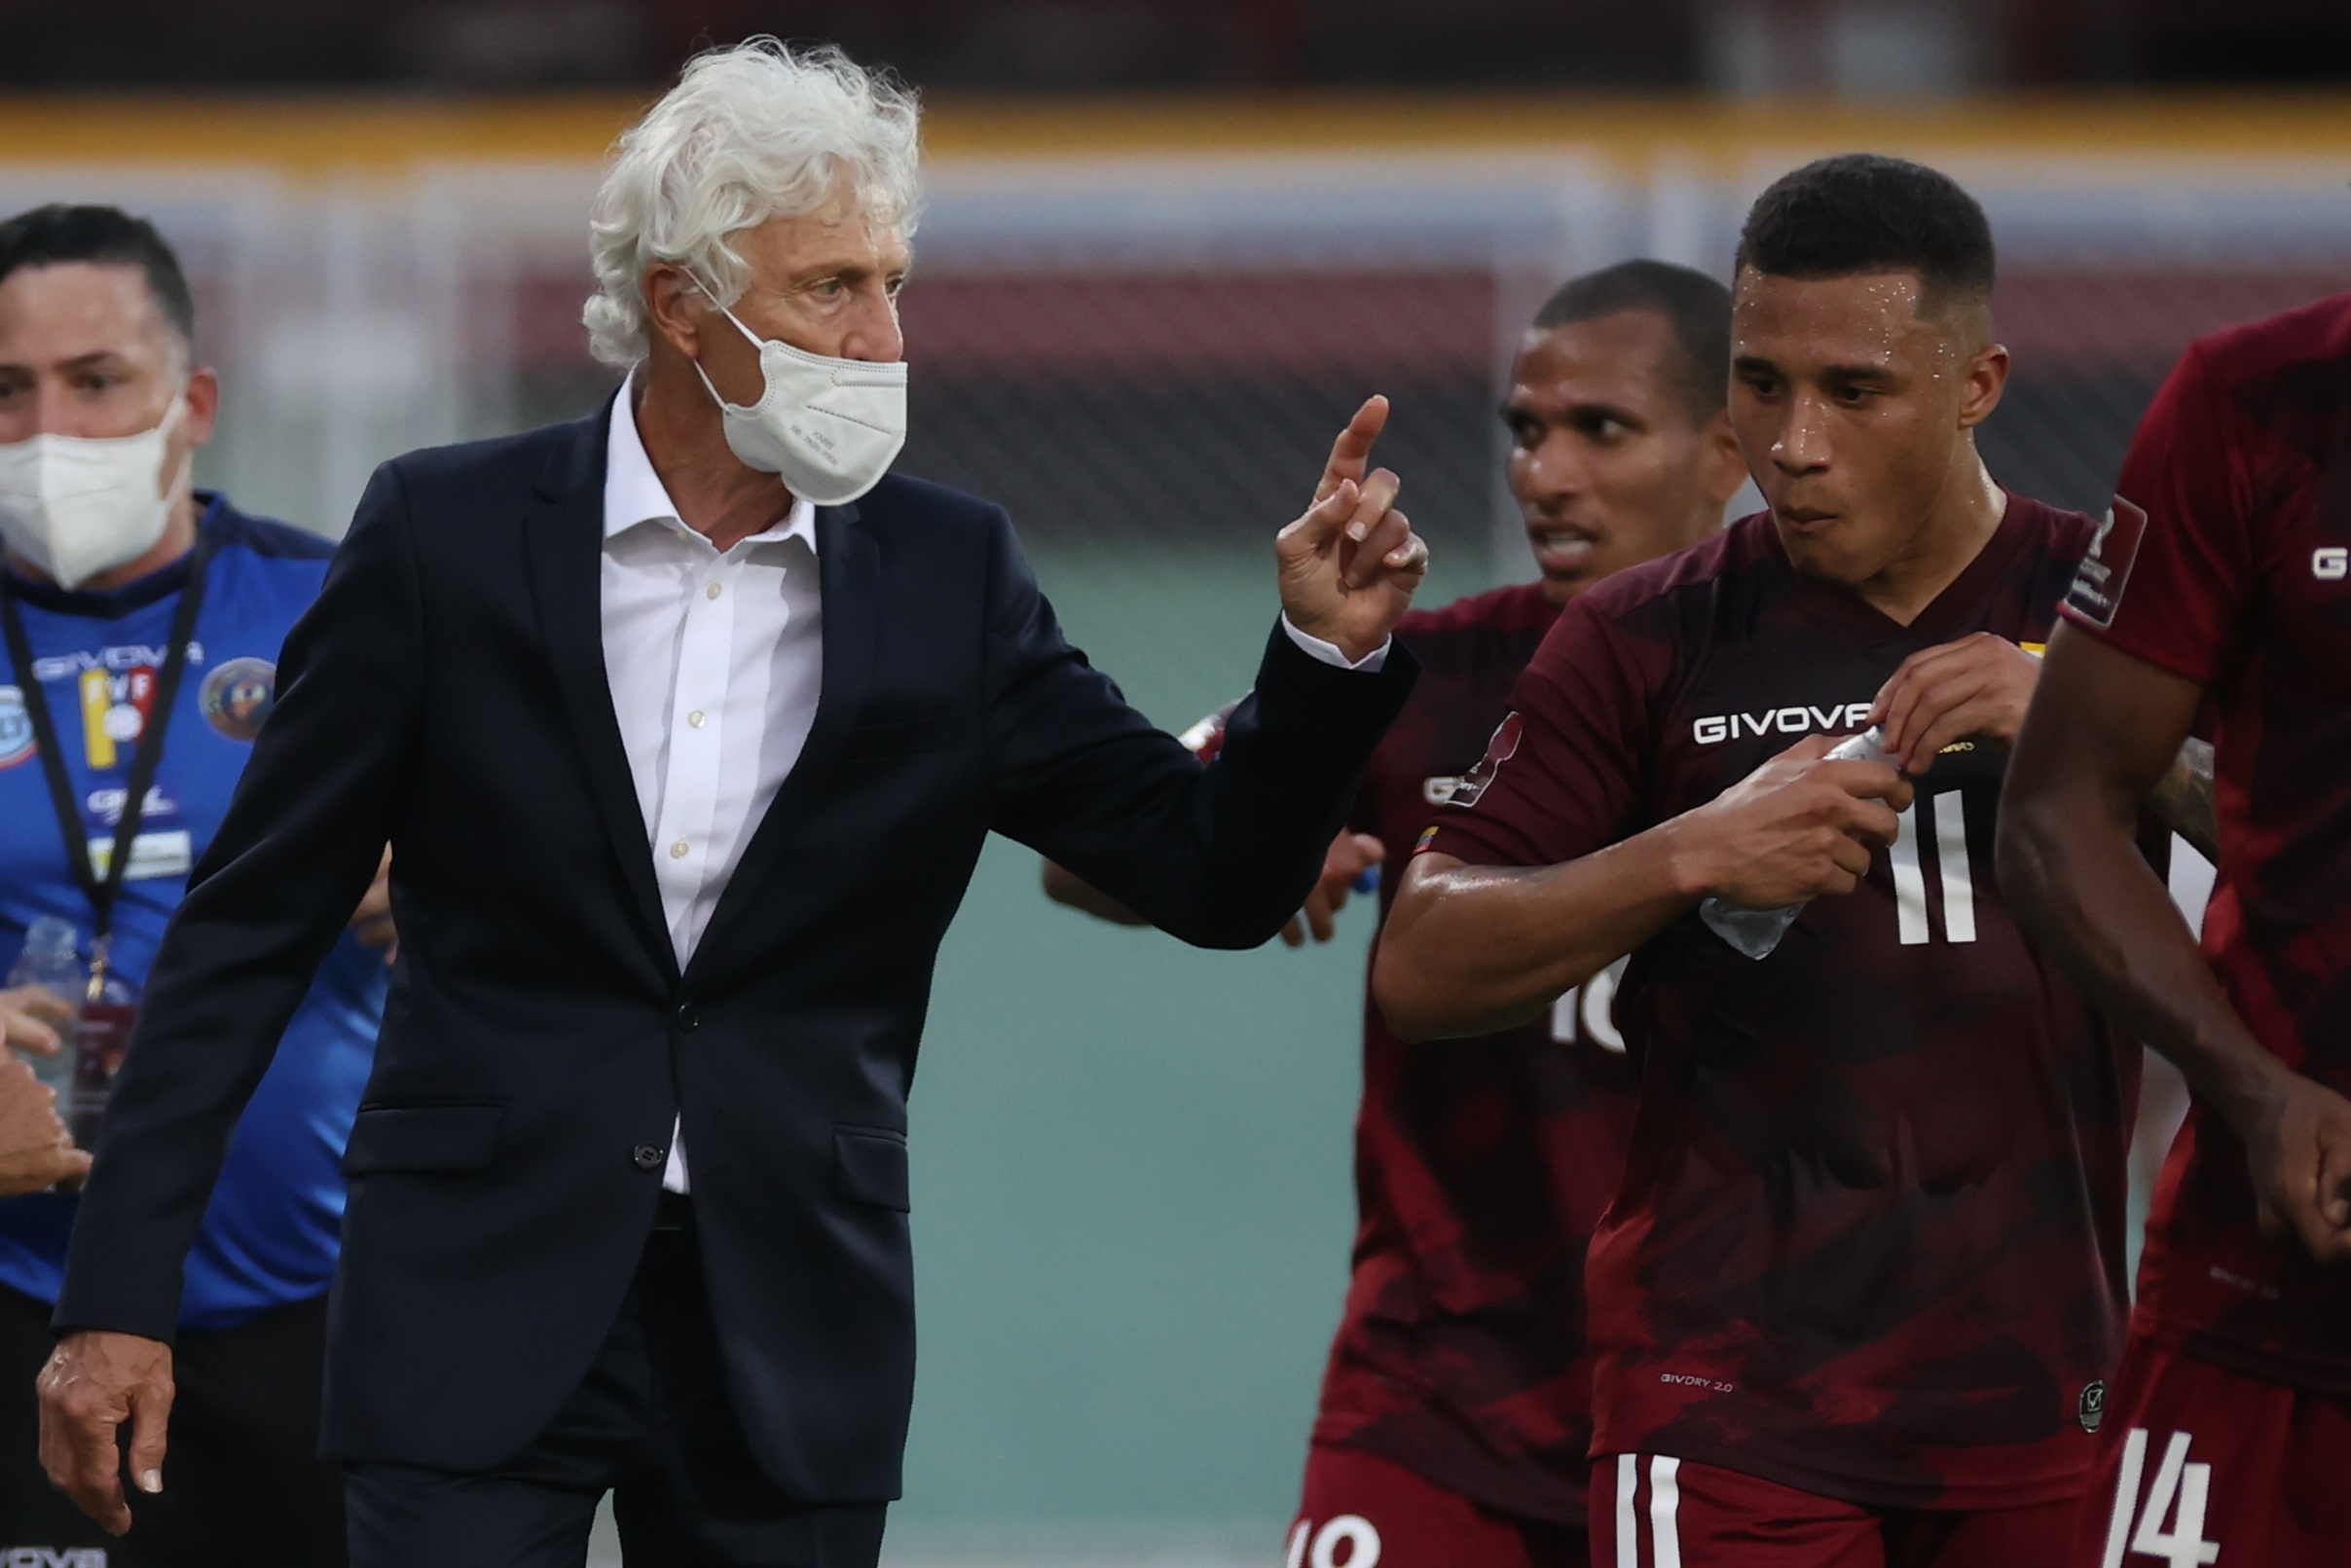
x=1944, y=819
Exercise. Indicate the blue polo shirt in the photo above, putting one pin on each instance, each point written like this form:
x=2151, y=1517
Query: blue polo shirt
x=269, y=1239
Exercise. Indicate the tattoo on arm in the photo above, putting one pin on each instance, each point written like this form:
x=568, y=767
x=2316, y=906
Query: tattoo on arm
x=2183, y=800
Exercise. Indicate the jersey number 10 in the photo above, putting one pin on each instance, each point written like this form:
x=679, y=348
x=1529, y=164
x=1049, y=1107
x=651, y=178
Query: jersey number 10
x=1944, y=819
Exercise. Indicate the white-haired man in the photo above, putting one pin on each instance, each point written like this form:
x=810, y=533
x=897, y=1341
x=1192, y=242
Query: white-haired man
x=686, y=723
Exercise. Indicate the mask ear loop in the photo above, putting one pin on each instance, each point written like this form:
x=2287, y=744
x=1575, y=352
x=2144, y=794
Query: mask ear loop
x=749, y=336
x=187, y=459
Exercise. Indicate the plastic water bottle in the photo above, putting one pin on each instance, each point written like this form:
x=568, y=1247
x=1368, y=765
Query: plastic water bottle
x=1757, y=932
x=50, y=960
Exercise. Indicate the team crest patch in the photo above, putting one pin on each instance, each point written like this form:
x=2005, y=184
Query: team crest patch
x=1501, y=750
x=15, y=727
x=2090, y=1410
x=2097, y=591
x=237, y=696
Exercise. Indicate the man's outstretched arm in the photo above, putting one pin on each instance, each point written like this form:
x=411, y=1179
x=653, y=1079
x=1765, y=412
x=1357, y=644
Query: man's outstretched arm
x=2104, y=730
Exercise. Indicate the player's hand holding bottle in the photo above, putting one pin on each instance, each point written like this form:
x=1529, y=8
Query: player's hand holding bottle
x=1347, y=568
x=1800, y=827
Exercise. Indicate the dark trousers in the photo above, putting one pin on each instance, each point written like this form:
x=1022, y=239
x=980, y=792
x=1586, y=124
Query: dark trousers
x=243, y=1485
x=651, y=1425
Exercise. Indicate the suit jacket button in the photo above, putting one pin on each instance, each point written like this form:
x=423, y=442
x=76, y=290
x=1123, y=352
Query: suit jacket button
x=688, y=1015
x=650, y=1157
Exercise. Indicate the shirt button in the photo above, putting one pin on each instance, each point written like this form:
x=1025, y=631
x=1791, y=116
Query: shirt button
x=679, y=849
x=711, y=592
x=650, y=1157
x=697, y=718
x=688, y=1015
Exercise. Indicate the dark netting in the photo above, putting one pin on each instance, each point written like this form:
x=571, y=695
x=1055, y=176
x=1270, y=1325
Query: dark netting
x=2092, y=343
x=1193, y=408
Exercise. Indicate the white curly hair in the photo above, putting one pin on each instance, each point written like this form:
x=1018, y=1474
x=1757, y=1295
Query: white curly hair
x=757, y=130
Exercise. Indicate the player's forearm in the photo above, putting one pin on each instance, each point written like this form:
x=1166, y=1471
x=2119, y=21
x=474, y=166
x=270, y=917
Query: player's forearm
x=2071, y=868
x=1468, y=950
x=2184, y=800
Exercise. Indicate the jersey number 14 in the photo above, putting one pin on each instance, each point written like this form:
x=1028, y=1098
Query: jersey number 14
x=2167, y=1524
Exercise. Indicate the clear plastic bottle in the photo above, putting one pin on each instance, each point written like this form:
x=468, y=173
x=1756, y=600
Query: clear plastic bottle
x=1757, y=932
x=50, y=959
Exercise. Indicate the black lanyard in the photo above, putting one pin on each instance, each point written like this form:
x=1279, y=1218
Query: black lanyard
x=103, y=892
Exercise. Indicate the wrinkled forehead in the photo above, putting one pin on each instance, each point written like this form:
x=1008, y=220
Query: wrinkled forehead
x=66, y=311
x=842, y=236
x=1859, y=319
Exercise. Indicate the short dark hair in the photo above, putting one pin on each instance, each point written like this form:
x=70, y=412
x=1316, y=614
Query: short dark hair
x=1862, y=213
x=1694, y=305
x=102, y=237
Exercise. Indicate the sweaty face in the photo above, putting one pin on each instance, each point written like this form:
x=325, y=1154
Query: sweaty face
x=1608, y=462
x=1854, y=411
x=826, y=284
x=84, y=351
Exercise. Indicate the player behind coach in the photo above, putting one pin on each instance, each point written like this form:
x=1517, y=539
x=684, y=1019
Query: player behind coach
x=1457, y=1407
x=1859, y=1293
x=143, y=619
x=687, y=722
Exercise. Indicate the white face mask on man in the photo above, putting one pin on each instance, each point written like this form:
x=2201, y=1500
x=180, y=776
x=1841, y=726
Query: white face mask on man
x=75, y=506
x=829, y=428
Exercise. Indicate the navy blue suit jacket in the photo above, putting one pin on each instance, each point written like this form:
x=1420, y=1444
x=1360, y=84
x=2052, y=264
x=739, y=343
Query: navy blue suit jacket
x=447, y=694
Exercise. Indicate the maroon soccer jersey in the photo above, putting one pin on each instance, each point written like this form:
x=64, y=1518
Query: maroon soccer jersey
x=1869, y=1242
x=2227, y=559
x=1480, y=1165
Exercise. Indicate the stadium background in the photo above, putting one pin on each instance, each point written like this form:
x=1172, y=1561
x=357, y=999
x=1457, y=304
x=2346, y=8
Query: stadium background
x=1137, y=319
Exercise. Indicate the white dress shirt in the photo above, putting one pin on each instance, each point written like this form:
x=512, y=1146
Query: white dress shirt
x=715, y=662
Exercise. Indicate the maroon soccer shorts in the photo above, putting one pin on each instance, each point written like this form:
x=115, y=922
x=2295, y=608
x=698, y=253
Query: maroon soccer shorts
x=2198, y=1464
x=1652, y=1511
x=1361, y=1511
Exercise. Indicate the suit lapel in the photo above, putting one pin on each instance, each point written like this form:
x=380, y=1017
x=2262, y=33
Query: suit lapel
x=849, y=572
x=564, y=548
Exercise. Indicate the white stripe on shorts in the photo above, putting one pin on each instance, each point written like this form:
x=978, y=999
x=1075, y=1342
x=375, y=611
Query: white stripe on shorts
x=1665, y=1511
x=1628, y=1518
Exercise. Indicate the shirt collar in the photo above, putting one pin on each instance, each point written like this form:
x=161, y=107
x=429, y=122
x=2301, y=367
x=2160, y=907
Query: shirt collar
x=634, y=493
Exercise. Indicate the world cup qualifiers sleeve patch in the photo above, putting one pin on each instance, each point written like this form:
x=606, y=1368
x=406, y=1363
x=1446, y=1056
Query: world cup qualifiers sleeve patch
x=2097, y=591
x=237, y=695
x=15, y=727
x=1501, y=750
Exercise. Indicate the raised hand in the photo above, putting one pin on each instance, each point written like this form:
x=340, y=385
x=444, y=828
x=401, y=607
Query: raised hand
x=1348, y=567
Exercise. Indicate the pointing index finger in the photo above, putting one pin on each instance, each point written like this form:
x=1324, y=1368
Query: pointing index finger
x=1352, y=450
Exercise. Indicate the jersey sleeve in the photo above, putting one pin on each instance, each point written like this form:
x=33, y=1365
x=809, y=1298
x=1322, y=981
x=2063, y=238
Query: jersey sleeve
x=1560, y=778
x=2171, y=574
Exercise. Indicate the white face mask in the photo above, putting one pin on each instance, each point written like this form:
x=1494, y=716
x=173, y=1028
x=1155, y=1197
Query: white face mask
x=73, y=507
x=829, y=428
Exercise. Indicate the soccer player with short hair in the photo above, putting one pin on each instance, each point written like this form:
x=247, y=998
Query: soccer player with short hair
x=1855, y=1297
x=1455, y=1411
x=2218, y=597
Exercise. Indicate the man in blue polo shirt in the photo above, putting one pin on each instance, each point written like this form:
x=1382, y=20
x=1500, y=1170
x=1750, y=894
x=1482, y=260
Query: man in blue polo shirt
x=143, y=619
